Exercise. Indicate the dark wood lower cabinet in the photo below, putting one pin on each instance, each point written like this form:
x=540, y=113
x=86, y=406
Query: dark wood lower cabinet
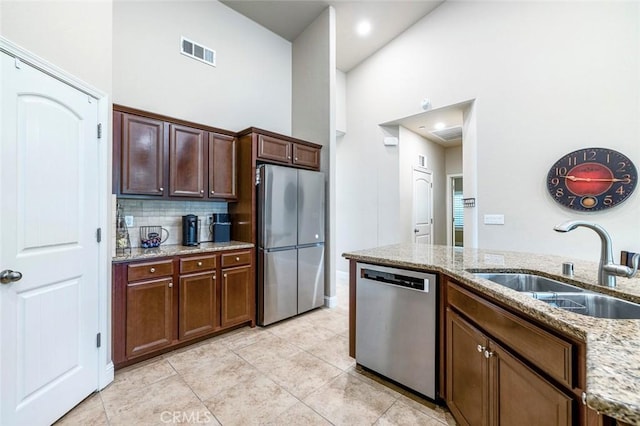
x=199, y=312
x=149, y=316
x=238, y=295
x=487, y=385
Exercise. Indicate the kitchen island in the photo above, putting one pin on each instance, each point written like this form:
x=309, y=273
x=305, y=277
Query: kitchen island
x=612, y=378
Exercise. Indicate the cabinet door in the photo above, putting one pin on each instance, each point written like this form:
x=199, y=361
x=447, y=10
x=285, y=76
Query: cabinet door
x=274, y=149
x=306, y=156
x=149, y=316
x=238, y=295
x=142, y=156
x=222, y=166
x=467, y=372
x=522, y=396
x=198, y=305
x=186, y=162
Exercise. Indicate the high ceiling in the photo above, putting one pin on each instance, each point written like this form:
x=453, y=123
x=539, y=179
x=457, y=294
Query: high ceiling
x=290, y=18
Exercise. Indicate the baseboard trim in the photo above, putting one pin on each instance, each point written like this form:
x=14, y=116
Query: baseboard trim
x=330, y=301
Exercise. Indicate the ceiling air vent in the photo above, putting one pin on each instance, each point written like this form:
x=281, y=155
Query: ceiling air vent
x=197, y=51
x=449, y=134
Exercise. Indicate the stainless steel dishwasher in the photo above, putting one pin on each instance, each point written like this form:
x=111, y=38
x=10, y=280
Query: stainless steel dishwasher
x=396, y=325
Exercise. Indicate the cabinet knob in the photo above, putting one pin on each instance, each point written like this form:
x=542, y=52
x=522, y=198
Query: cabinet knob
x=202, y=191
x=289, y=157
x=213, y=192
x=237, y=258
x=161, y=189
x=152, y=270
x=488, y=354
x=224, y=275
x=170, y=285
x=481, y=348
x=296, y=159
x=199, y=263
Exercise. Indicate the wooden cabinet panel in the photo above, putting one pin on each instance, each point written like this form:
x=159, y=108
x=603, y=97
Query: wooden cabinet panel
x=186, y=162
x=552, y=354
x=142, y=156
x=270, y=148
x=236, y=259
x=237, y=295
x=467, y=392
x=523, y=396
x=149, y=270
x=306, y=156
x=197, y=264
x=148, y=316
x=198, y=305
x=222, y=166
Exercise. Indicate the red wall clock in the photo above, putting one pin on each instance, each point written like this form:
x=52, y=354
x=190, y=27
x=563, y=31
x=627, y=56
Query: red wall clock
x=592, y=179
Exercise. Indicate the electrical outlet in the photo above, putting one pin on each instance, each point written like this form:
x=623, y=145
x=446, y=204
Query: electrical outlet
x=129, y=221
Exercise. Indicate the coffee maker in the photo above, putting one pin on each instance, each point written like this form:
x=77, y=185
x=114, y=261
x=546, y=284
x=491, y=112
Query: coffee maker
x=190, y=230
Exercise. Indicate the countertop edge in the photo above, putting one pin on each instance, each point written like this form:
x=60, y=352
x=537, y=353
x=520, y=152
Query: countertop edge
x=179, y=250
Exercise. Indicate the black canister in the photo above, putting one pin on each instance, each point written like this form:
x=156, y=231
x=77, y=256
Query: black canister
x=190, y=230
x=221, y=227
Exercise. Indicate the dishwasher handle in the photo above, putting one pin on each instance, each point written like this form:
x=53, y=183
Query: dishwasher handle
x=400, y=280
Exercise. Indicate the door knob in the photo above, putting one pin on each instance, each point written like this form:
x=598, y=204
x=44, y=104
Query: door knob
x=8, y=276
x=416, y=230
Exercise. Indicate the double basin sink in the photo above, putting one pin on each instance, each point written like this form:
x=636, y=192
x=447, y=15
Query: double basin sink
x=565, y=296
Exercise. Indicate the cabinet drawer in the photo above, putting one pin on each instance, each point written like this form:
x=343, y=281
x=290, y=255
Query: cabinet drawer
x=550, y=353
x=197, y=264
x=140, y=271
x=236, y=259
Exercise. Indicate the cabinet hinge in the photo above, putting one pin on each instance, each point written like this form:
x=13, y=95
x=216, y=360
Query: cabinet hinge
x=99, y=130
x=99, y=234
x=98, y=340
x=257, y=176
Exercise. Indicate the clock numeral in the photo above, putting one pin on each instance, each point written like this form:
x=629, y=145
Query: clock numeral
x=572, y=160
x=608, y=200
x=620, y=190
x=590, y=156
x=555, y=181
x=571, y=198
x=626, y=179
x=559, y=192
x=622, y=167
x=561, y=171
x=608, y=158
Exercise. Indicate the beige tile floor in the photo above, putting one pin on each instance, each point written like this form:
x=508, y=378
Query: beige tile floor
x=297, y=372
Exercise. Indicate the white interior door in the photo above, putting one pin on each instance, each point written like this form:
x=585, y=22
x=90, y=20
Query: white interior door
x=422, y=206
x=49, y=217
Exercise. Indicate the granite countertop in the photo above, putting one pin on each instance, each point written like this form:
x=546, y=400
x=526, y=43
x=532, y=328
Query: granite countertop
x=176, y=250
x=613, y=346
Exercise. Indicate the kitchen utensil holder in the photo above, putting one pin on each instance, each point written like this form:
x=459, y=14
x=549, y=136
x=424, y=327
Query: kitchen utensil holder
x=151, y=236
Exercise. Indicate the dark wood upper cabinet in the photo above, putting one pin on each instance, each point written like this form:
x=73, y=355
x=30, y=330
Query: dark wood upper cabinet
x=186, y=162
x=142, y=155
x=274, y=149
x=222, y=166
x=307, y=156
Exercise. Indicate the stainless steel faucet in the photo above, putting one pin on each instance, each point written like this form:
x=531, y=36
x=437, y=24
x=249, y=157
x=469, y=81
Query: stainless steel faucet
x=607, y=270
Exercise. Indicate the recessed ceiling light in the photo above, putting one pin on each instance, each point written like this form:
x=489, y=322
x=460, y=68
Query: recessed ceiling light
x=439, y=126
x=363, y=28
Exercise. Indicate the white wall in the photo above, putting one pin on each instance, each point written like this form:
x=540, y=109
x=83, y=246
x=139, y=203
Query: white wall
x=314, y=116
x=250, y=86
x=73, y=35
x=453, y=160
x=547, y=78
x=410, y=145
x=341, y=102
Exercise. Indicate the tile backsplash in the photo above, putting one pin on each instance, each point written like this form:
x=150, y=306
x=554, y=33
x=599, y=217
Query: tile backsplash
x=168, y=214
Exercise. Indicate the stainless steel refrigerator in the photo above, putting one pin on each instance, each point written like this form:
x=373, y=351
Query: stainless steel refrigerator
x=290, y=242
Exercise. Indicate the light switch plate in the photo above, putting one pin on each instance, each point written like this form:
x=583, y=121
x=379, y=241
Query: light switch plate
x=129, y=221
x=494, y=219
